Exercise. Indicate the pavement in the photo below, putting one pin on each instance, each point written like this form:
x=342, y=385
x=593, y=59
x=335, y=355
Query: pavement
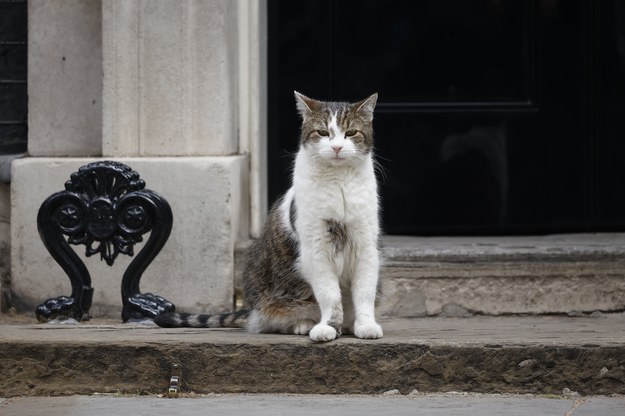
x=541, y=355
x=454, y=404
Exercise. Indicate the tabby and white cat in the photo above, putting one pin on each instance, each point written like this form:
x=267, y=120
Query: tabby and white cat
x=315, y=268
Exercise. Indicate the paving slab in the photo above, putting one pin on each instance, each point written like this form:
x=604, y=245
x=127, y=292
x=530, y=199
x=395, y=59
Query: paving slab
x=511, y=354
x=313, y=405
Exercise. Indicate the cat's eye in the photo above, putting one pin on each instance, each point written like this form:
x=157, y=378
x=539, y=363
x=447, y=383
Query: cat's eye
x=350, y=133
x=323, y=133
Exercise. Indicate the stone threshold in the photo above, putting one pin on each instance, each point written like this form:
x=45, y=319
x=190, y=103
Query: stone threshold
x=563, y=247
x=511, y=354
x=567, y=273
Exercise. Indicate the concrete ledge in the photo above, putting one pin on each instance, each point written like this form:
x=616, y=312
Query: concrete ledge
x=479, y=354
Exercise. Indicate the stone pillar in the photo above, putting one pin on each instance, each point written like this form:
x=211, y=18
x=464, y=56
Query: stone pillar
x=64, y=78
x=169, y=110
x=170, y=79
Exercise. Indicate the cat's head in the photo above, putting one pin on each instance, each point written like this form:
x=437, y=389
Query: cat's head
x=334, y=131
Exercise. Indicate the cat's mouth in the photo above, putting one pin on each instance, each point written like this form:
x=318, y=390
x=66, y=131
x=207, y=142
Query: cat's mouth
x=340, y=156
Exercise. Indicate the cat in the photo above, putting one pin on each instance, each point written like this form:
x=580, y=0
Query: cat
x=314, y=270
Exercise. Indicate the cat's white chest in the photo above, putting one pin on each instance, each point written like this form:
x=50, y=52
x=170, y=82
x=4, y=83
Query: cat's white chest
x=347, y=195
x=342, y=200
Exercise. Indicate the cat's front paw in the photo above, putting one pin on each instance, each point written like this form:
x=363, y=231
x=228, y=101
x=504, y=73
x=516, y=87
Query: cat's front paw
x=370, y=330
x=323, y=333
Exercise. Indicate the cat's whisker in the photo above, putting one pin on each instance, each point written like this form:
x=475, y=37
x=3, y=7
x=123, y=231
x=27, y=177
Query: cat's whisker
x=288, y=154
x=378, y=156
x=380, y=170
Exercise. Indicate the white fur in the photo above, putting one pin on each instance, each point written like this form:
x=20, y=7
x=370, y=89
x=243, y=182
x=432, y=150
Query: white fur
x=285, y=211
x=345, y=190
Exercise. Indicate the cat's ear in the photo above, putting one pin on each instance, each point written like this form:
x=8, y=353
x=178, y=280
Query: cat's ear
x=305, y=105
x=366, y=106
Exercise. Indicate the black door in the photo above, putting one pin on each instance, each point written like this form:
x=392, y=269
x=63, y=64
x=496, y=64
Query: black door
x=494, y=116
x=13, y=95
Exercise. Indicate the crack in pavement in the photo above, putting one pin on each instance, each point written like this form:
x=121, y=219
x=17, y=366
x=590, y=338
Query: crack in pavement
x=576, y=405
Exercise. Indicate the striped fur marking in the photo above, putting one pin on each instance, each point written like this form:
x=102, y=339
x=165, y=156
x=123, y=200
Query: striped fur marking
x=236, y=319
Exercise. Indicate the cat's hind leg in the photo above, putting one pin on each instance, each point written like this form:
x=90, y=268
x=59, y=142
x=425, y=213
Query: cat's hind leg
x=302, y=327
x=284, y=316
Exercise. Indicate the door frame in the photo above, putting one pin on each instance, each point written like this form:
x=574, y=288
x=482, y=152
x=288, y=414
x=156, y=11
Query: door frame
x=253, y=98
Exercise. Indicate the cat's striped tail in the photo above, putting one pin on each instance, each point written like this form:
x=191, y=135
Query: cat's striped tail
x=236, y=319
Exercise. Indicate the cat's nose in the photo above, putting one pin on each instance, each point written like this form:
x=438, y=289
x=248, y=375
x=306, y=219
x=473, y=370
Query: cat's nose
x=337, y=148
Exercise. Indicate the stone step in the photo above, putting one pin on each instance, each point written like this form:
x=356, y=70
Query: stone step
x=462, y=276
x=576, y=273
x=505, y=354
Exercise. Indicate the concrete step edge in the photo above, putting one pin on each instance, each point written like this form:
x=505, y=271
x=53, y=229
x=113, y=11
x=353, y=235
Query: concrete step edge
x=540, y=355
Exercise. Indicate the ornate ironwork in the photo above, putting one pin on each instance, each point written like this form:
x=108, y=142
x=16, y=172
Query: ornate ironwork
x=105, y=207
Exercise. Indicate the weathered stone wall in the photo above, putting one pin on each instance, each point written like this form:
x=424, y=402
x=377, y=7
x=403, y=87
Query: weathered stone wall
x=194, y=270
x=64, y=78
x=5, y=248
x=170, y=79
x=149, y=83
x=461, y=276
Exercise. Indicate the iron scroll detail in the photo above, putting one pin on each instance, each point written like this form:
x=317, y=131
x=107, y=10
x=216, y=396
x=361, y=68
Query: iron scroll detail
x=105, y=207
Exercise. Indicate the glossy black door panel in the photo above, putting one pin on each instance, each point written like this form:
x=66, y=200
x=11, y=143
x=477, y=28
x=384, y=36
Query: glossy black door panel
x=13, y=74
x=435, y=51
x=609, y=45
x=488, y=110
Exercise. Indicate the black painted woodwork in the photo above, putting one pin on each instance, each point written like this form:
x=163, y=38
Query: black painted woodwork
x=13, y=76
x=494, y=117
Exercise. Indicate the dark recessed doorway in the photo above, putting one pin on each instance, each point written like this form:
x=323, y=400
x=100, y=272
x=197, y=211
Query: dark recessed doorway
x=494, y=117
